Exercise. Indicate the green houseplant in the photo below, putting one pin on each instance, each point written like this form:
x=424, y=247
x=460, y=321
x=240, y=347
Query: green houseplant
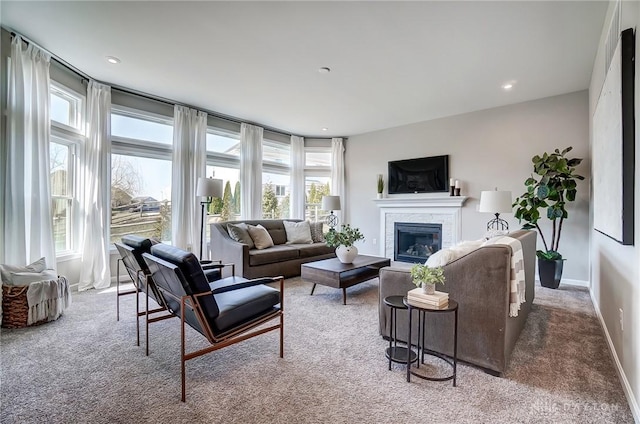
x=380, y=186
x=427, y=277
x=548, y=191
x=343, y=241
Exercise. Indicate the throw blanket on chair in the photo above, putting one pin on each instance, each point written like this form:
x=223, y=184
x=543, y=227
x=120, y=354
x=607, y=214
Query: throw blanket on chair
x=517, y=283
x=47, y=299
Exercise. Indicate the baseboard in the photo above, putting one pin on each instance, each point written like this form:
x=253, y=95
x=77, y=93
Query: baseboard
x=571, y=282
x=626, y=387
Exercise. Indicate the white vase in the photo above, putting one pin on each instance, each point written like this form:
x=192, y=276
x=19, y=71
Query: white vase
x=428, y=288
x=345, y=254
x=379, y=195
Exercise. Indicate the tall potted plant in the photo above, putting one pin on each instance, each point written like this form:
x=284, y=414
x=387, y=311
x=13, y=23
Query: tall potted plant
x=552, y=186
x=343, y=241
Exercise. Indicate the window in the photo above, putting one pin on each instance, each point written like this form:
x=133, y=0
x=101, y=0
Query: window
x=280, y=190
x=66, y=108
x=275, y=195
x=140, y=174
x=67, y=138
x=222, y=143
x=317, y=179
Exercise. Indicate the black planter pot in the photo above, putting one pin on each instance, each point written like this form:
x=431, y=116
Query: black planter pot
x=550, y=272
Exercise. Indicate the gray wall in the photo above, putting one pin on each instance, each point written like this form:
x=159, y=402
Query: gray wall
x=487, y=149
x=615, y=269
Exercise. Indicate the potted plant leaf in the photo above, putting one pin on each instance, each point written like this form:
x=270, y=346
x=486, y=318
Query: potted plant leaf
x=343, y=241
x=427, y=277
x=552, y=185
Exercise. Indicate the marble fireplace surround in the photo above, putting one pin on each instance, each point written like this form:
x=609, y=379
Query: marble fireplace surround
x=445, y=210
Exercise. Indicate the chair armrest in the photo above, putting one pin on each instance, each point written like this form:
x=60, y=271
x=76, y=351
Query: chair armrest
x=245, y=284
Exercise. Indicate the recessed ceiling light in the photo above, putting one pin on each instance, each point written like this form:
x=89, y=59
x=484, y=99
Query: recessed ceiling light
x=507, y=86
x=325, y=129
x=324, y=70
x=112, y=59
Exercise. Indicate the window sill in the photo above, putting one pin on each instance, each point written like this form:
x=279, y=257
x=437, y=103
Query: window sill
x=66, y=257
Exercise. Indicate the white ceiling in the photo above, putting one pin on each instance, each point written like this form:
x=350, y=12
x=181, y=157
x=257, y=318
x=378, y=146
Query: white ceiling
x=392, y=63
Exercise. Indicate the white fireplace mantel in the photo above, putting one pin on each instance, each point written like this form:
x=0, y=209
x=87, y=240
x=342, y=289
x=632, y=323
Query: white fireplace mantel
x=444, y=210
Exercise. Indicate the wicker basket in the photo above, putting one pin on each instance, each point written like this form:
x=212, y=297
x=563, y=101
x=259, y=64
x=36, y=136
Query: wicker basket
x=15, y=309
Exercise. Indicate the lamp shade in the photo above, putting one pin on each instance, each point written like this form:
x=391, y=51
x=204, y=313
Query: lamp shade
x=209, y=187
x=330, y=203
x=495, y=201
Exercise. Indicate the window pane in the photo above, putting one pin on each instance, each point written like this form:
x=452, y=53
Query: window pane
x=61, y=110
x=227, y=208
x=223, y=143
x=275, y=196
x=317, y=158
x=277, y=153
x=141, y=129
x=140, y=197
x=61, y=210
x=59, y=166
x=315, y=188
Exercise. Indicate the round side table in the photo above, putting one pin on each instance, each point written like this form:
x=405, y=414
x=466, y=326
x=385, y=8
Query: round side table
x=422, y=310
x=394, y=352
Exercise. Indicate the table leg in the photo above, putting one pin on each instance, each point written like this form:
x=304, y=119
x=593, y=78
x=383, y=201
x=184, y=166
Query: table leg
x=455, y=348
x=391, y=336
x=344, y=295
x=409, y=349
x=312, y=289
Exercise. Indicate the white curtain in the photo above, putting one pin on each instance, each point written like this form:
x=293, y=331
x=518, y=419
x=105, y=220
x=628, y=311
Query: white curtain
x=28, y=223
x=94, y=271
x=189, y=163
x=297, y=177
x=337, y=176
x=251, y=171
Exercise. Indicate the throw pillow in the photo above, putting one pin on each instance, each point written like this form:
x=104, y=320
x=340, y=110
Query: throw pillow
x=440, y=258
x=495, y=233
x=316, y=232
x=261, y=237
x=26, y=278
x=298, y=232
x=6, y=270
x=240, y=233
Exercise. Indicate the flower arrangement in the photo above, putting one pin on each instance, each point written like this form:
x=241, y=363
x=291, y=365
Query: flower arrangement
x=345, y=237
x=423, y=274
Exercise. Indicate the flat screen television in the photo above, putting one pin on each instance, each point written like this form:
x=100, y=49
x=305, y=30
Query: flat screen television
x=421, y=175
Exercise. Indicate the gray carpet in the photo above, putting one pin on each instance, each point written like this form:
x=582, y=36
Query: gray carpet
x=86, y=368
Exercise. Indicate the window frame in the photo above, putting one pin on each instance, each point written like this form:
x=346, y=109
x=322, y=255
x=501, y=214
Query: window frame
x=74, y=138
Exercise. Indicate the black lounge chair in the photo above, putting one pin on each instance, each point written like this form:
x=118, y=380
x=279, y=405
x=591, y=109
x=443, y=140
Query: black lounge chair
x=131, y=250
x=225, y=312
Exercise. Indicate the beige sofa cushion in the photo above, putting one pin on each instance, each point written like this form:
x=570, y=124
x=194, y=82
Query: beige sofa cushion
x=298, y=232
x=260, y=236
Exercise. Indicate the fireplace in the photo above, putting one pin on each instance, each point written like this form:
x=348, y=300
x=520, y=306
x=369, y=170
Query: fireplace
x=415, y=242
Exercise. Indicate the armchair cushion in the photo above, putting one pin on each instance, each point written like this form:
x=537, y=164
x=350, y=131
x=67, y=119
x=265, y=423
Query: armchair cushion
x=238, y=306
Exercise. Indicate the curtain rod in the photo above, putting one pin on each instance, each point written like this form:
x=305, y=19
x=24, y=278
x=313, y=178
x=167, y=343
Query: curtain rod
x=145, y=95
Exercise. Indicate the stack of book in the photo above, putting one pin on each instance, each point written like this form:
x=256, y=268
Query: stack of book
x=438, y=300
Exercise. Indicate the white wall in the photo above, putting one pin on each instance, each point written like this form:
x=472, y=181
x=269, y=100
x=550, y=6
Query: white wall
x=615, y=269
x=487, y=149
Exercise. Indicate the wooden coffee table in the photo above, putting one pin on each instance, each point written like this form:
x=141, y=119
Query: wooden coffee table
x=333, y=273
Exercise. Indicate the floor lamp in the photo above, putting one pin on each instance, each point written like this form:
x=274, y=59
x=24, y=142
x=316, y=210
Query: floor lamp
x=331, y=203
x=207, y=188
x=496, y=202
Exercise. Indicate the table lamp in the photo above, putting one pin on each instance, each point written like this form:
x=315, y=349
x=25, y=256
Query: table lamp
x=496, y=202
x=207, y=188
x=331, y=203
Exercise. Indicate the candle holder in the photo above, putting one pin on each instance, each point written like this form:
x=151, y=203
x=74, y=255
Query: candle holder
x=457, y=191
x=451, y=190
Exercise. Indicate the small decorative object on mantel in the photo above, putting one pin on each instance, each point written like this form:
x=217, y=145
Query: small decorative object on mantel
x=427, y=277
x=457, y=187
x=343, y=241
x=380, y=186
x=451, y=187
